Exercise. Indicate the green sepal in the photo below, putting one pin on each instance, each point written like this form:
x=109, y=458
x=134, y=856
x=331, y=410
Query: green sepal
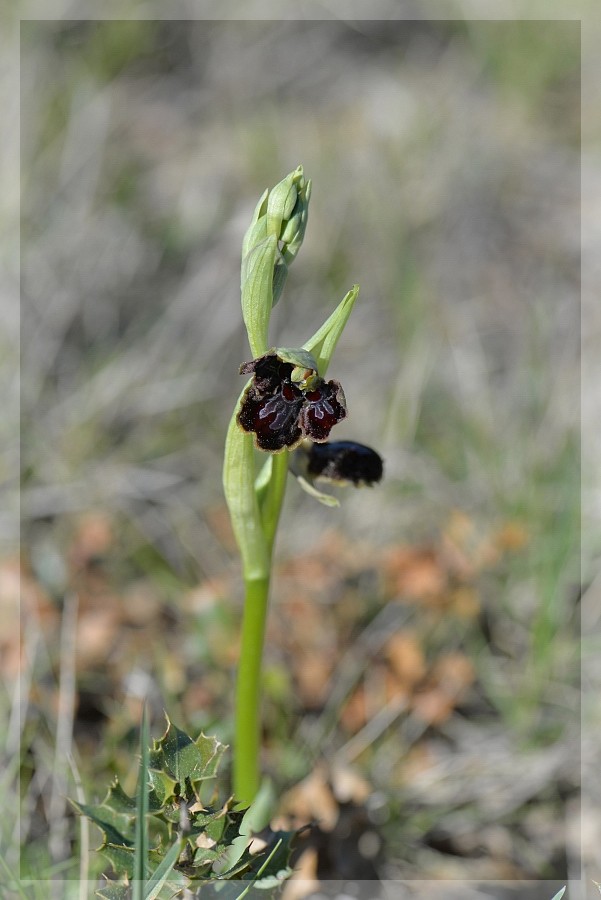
x=280, y=274
x=297, y=357
x=281, y=202
x=323, y=343
x=325, y=499
x=257, y=291
x=293, y=234
x=257, y=229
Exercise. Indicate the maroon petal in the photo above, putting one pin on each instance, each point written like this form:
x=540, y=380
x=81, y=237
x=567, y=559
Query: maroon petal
x=274, y=420
x=324, y=406
x=269, y=372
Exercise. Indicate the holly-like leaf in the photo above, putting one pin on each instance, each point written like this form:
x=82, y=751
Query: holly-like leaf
x=181, y=758
x=193, y=845
x=162, y=786
x=116, y=827
x=115, y=890
x=117, y=800
x=120, y=857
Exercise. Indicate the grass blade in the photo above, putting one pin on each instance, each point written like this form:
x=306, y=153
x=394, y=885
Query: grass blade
x=163, y=871
x=260, y=872
x=141, y=833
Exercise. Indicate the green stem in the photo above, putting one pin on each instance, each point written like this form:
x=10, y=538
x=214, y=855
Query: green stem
x=248, y=687
x=248, y=693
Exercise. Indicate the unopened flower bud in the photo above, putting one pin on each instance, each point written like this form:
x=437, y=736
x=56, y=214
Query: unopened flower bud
x=280, y=204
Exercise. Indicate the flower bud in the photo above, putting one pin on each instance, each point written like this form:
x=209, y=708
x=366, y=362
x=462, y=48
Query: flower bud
x=270, y=244
x=294, y=231
x=280, y=204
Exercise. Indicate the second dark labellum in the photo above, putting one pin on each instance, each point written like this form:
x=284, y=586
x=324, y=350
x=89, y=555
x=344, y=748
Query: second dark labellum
x=288, y=401
x=344, y=462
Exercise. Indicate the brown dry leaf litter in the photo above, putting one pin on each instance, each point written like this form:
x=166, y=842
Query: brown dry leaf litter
x=323, y=600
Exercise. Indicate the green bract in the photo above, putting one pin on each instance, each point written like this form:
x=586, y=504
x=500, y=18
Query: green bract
x=301, y=358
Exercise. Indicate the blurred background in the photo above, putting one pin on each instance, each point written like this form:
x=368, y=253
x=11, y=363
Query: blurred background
x=421, y=671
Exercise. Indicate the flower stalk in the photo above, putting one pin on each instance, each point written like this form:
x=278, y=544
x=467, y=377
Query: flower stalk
x=286, y=400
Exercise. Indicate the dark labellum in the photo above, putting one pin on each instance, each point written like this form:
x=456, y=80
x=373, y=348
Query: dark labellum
x=272, y=417
x=279, y=412
x=344, y=461
x=324, y=406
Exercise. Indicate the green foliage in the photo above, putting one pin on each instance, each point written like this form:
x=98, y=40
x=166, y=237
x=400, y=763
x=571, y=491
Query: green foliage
x=186, y=842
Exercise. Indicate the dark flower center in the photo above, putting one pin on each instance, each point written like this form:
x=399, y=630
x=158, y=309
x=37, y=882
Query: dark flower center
x=280, y=413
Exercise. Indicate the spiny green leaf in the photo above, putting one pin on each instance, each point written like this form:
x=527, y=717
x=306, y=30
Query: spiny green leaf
x=233, y=825
x=120, y=857
x=119, y=801
x=115, y=827
x=162, y=786
x=117, y=809
x=182, y=758
x=115, y=890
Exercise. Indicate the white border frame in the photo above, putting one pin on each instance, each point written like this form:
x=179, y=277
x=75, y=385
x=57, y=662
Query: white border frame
x=269, y=10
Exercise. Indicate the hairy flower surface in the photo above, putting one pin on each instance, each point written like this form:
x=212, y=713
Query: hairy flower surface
x=344, y=462
x=287, y=401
